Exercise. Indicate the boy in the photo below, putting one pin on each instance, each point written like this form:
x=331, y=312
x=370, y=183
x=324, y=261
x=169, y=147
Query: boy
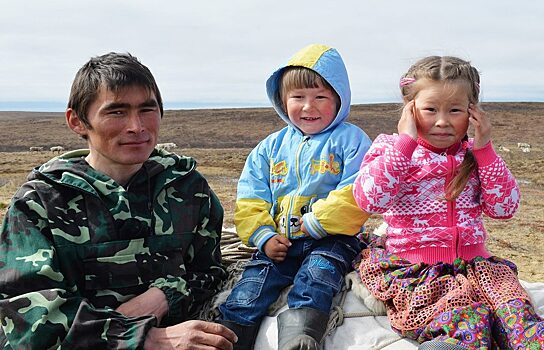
x=295, y=203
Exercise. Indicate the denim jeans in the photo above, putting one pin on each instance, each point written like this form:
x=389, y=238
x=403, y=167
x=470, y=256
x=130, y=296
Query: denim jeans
x=316, y=268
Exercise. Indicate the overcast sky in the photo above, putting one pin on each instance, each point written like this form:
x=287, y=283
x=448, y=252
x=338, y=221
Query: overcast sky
x=221, y=52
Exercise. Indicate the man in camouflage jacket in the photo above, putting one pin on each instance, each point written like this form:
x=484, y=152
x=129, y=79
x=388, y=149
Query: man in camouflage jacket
x=101, y=246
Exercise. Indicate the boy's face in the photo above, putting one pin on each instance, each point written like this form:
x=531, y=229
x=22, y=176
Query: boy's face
x=311, y=109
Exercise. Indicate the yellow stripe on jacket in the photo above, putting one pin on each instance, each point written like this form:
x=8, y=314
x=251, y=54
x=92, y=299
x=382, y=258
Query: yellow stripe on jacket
x=251, y=214
x=338, y=213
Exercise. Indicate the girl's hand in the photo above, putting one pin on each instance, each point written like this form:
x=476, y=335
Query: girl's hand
x=407, y=123
x=276, y=248
x=482, y=125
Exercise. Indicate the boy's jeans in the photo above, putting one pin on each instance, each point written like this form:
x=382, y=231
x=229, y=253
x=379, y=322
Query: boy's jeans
x=315, y=267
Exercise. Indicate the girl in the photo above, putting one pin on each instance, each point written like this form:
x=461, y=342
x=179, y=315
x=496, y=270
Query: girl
x=432, y=184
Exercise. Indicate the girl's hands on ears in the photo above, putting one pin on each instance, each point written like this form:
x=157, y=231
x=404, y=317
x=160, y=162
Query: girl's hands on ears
x=408, y=123
x=482, y=125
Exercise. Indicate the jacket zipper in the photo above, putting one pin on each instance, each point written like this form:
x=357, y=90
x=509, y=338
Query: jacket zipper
x=451, y=204
x=299, y=181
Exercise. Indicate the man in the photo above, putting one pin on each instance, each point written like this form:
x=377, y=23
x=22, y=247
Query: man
x=101, y=246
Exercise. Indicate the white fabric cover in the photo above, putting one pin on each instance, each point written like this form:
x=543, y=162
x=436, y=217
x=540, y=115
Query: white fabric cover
x=369, y=332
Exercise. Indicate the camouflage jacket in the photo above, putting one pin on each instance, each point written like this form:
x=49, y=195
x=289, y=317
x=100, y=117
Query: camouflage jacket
x=74, y=245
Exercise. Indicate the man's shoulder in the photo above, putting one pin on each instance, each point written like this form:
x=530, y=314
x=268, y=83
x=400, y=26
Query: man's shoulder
x=170, y=165
x=176, y=170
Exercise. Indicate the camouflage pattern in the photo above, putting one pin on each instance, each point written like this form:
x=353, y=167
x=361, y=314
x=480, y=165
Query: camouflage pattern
x=74, y=245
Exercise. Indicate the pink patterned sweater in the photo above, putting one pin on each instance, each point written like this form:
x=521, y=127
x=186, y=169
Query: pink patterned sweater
x=405, y=180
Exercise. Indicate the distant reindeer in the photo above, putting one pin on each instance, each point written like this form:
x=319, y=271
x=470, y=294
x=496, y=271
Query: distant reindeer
x=166, y=146
x=57, y=149
x=525, y=147
x=504, y=149
x=36, y=149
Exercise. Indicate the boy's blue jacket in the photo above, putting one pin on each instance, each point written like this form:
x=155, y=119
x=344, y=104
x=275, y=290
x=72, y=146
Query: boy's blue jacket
x=289, y=176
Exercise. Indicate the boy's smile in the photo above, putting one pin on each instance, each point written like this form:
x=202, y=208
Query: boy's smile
x=311, y=109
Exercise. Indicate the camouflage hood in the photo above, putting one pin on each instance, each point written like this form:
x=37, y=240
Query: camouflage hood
x=74, y=245
x=72, y=170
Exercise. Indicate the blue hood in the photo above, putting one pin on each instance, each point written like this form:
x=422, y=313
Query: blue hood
x=328, y=63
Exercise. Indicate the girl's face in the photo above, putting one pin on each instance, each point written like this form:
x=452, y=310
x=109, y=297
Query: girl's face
x=441, y=112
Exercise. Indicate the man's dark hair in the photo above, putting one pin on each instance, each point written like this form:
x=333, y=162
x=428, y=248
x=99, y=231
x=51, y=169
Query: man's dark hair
x=113, y=71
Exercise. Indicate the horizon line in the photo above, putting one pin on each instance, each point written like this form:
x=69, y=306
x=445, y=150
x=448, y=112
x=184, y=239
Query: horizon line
x=59, y=107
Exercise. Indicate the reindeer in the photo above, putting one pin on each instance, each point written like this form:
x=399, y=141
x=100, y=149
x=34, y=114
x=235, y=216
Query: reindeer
x=57, y=149
x=496, y=190
x=392, y=180
x=421, y=222
x=504, y=149
x=166, y=146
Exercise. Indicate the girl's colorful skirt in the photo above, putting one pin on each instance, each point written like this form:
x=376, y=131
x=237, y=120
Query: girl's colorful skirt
x=478, y=304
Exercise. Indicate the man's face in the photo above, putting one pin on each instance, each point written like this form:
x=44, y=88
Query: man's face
x=124, y=129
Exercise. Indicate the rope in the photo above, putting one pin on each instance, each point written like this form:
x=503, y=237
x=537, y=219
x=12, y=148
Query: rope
x=210, y=309
x=235, y=255
x=338, y=314
x=232, y=249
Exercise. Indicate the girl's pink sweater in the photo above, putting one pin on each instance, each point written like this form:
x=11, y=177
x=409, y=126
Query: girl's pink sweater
x=405, y=180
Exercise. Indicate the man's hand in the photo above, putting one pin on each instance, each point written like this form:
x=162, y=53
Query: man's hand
x=276, y=248
x=191, y=335
x=152, y=302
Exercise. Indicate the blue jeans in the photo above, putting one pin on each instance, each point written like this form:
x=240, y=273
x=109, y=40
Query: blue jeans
x=316, y=268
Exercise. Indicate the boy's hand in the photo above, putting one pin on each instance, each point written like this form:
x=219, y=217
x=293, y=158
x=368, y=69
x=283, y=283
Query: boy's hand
x=482, y=125
x=276, y=248
x=408, y=120
x=303, y=228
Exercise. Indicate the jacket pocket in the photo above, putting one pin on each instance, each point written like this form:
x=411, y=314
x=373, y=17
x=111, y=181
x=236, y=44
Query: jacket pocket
x=329, y=263
x=250, y=286
x=131, y=263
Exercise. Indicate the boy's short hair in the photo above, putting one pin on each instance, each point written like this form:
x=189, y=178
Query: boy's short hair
x=295, y=77
x=113, y=71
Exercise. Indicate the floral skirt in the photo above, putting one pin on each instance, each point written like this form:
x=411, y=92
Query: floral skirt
x=479, y=304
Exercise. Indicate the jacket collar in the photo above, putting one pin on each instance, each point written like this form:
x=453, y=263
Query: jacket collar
x=453, y=149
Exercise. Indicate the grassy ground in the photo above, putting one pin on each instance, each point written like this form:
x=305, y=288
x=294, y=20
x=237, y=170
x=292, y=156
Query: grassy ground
x=221, y=139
